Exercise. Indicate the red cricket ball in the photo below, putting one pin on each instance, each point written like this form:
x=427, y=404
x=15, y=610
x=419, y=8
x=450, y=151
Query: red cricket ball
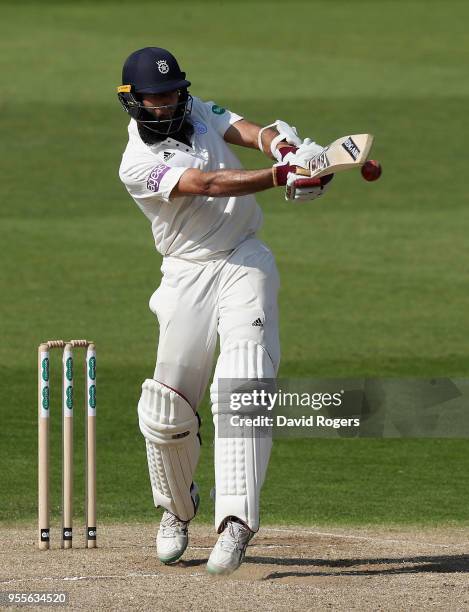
x=371, y=170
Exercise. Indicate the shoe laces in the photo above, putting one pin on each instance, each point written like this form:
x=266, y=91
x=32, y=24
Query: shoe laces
x=170, y=525
x=235, y=536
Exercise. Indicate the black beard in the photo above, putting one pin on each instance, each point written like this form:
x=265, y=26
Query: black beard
x=184, y=134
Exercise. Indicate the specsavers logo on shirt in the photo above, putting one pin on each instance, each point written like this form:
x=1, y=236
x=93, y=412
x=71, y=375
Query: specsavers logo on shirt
x=218, y=110
x=154, y=180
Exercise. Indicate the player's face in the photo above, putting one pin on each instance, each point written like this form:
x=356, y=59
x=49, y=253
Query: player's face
x=161, y=105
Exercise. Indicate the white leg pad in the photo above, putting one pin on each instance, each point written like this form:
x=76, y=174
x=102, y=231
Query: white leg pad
x=240, y=462
x=170, y=427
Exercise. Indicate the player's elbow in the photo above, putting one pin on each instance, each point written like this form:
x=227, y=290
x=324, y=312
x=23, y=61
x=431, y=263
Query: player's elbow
x=206, y=185
x=196, y=182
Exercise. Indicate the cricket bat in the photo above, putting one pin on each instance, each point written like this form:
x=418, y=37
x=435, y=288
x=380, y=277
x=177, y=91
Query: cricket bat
x=342, y=154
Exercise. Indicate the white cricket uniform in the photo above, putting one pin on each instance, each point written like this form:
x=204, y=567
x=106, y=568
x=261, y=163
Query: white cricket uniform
x=191, y=227
x=217, y=276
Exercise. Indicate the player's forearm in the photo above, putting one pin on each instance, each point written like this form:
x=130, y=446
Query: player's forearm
x=246, y=134
x=267, y=136
x=237, y=182
x=223, y=183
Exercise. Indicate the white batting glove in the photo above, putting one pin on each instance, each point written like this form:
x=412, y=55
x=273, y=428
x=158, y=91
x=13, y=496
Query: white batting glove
x=286, y=133
x=305, y=152
x=302, y=189
x=299, y=188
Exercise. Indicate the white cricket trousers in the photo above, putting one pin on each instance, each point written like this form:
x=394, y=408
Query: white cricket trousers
x=235, y=296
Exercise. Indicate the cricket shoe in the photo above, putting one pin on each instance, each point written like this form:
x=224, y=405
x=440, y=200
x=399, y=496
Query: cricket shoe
x=172, y=538
x=229, y=551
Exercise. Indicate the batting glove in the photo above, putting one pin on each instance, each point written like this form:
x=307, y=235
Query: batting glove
x=301, y=189
x=305, y=152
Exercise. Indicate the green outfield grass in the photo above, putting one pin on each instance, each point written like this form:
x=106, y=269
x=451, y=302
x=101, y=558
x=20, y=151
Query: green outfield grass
x=374, y=276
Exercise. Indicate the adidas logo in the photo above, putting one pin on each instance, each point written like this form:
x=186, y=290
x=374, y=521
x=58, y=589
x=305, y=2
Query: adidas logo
x=167, y=155
x=258, y=323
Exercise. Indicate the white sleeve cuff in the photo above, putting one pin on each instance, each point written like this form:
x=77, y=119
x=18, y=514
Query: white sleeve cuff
x=162, y=180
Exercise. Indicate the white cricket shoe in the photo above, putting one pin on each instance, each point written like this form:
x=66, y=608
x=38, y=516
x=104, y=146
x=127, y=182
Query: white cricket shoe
x=229, y=551
x=172, y=538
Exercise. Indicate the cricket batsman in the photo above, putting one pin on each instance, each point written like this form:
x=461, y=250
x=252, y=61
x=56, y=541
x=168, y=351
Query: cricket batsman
x=218, y=279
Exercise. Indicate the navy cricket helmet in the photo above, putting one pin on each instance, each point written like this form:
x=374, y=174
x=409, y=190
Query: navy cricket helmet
x=153, y=70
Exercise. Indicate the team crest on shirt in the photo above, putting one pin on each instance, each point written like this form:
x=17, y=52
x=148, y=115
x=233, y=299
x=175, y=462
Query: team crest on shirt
x=218, y=110
x=200, y=127
x=162, y=66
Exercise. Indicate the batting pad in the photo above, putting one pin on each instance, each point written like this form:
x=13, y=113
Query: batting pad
x=170, y=427
x=240, y=462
